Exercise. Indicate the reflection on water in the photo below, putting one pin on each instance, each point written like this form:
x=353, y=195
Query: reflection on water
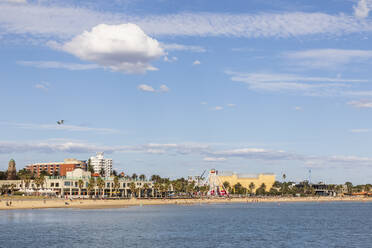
x=229, y=225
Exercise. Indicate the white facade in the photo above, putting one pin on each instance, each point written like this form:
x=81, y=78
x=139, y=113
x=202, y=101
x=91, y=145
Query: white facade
x=99, y=162
x=78, y=173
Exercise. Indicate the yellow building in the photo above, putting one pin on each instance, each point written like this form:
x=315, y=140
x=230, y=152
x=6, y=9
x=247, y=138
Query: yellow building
x=245, y=180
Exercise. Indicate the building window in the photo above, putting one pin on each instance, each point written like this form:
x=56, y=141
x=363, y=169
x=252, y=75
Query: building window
x=108, y=185
x=51, y=184
x=67, y=183
x=57, y=184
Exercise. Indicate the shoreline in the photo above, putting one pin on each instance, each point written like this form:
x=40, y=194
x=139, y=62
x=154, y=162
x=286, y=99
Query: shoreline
x=17, y=204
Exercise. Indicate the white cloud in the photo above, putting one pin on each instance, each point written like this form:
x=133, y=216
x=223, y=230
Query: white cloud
x=214, y=159
x=231, y=105
x=42, y=86
x=170, y=59
x=145, y=87
x=203, y=103
x=218, y=108
x=361, y=104
x=123, y=47
x=362, y=9
x=315, y=86
x=58, y=65
x=196, y=62
x=162, y=89
x=297, y=108
x=64, y=127
x=360, y=130
x=320, y=58
x=180, y=47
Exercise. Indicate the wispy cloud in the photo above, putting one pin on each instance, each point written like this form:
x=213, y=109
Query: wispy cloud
x=64, y=127
x=361, y=104
x=59, y=65
x=180, y=47
x=320, y=58
x=316, y=86
x=360, y=130
x=297, y=108
x=214, y=159
x=65, y=21
x=209, y=153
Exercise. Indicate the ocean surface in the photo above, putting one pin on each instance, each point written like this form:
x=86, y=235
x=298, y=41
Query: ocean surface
x=225, y=225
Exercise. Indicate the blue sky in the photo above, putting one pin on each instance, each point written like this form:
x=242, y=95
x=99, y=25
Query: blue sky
x=176, y=87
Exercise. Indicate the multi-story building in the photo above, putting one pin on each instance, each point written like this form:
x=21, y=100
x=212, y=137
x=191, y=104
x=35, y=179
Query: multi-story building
x=244, y=179
x=57, y=168
x=101, y=164
x=76, y=184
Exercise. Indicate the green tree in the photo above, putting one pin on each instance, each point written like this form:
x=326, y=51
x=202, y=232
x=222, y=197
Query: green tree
x=157, y=187
x=134, y=176
x=101, y=184
x=80, y=185
x=349, y=187
x=90, y=167
x=132, y=187
x=261, y=190
x=251, y=186
x=226, y=185
x=91, y=185
x=146, y=189
x=116, y=184
x=142, y=177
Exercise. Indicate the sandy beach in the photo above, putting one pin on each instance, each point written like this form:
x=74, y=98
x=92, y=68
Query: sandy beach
x=8, y=204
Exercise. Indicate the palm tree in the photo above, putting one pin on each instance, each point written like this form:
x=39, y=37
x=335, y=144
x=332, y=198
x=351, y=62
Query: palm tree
x=101, y=185
x=251, y=187
x=116, y=184
x=91, y=185
x=134, y=176
x=132, y=187
x=142, y=177
x=157, y=187
x=145, y=189
x=80, y=184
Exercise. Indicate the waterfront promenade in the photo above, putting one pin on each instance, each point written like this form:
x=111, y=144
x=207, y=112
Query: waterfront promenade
x=9, y=203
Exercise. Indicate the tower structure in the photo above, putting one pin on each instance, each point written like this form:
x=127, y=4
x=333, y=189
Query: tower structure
x=12, y=172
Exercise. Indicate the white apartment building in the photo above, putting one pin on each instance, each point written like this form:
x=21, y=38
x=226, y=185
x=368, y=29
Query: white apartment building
x=99, y=162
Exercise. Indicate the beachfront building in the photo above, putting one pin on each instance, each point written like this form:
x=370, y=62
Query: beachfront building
x=246, y=179
x=101, y=164
x=79, y=183
x=57, y=168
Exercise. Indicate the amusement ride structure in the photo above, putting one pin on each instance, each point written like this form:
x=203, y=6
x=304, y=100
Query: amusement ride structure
x=216, y=187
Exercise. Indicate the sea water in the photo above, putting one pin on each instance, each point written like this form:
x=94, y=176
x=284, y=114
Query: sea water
x=332, y=224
